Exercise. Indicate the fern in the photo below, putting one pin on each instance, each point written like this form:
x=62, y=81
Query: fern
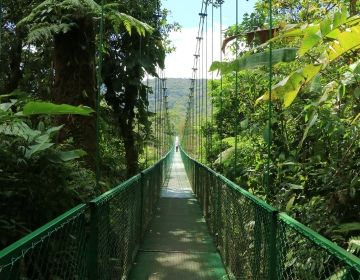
x=47, y=31
x=354, y=245
x=52, y=17
x=118, y=19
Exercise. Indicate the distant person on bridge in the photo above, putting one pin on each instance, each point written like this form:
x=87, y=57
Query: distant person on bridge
x=177, y=143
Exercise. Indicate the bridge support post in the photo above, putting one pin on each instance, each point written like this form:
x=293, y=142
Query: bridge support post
x=93, y=244
x=98, y=261
x=142, y=178
x=273, y=259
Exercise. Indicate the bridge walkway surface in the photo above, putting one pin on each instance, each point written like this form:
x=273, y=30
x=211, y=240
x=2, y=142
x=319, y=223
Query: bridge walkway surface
x=177, y=244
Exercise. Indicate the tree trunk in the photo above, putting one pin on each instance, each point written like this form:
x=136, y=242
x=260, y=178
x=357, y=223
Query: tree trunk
x=353, y=10
x=75, y=84
x=15, y=73
x=126, y=121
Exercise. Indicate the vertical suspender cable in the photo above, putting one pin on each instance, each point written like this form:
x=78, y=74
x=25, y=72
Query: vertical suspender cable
x=1, y=20
x=155, y=118
x=236, y=88
x=164, y=112
x=206, y=81
x=212, y=75
x=202, y=83
x=221, y=87
x=139, y=86
x=193, y=116
x=99, y=82
x=147, y=114
x=160, y=114
x=270, y=102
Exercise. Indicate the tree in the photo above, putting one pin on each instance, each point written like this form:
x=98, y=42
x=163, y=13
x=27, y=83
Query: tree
x=12, y=43
x=71, y=27
x=129, y=58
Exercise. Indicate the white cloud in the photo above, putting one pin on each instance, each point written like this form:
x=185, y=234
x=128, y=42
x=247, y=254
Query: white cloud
x=179, y=64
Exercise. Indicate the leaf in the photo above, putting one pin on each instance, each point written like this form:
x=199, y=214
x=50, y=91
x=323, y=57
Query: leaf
x=354, y=244
x=340, y=17
x=294, y=186
x=338, y=275
x=33, y=149
x=355, y=119
x=311, y=38
x=348, y=227
x=19, y=129
x=250, y=61
x=289, y=87
x=329, y=88
x=244, y=124
x=290, y=203
x=315, y=85
x=345, y=41
x=54, y=129
x=64, y=156
x=16, y=93
x=6, y=106
x=225, y=155
x=48, y=108
x=310, y=123
x=118, y=19
x=267, y=134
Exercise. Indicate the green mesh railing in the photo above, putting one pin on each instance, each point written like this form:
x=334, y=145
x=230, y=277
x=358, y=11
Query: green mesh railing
x=94, y=241
x=256, y=241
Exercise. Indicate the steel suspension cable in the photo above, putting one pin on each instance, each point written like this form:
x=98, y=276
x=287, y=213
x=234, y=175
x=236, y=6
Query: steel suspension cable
x=206, y=84
x=267, y=178
x=1, y=20
x=99, y=83
x=155, y=118
x=202, y=83
x=160, y=114
x=147, y=114
x=221, y=85
x=212, y=76
x=236, y=87
x=139, y=86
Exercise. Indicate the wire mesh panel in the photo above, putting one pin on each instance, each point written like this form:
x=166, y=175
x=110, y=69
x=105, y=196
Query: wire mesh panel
x=55, y=251
x=115, y=229
x=256, y=242
x=304, y=254
x=119, y=220
x=69, y=247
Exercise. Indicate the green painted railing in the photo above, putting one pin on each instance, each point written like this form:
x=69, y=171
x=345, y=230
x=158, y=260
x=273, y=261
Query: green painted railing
x=256, y=241
x=94, y=241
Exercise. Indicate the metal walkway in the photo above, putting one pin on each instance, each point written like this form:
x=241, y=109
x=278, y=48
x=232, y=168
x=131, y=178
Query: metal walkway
x=177, y=244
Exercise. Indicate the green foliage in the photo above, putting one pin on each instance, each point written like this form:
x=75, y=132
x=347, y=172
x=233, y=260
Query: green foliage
x=335, y=35
x=354, y=245
x=35, y=171
x=54, y=17
x=36, y=108
x=314, y=149
x=249, y=61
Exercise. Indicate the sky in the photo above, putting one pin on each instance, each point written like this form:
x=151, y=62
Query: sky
x=179, y=63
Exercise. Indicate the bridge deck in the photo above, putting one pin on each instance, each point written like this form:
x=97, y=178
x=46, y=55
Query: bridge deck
x=177, y=244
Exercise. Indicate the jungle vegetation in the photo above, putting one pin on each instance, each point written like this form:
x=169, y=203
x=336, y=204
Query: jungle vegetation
x=314, y=128
x=52, y=142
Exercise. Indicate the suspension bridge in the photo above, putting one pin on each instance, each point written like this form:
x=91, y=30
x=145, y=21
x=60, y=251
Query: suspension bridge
x=165, y=223
x=179, y=219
